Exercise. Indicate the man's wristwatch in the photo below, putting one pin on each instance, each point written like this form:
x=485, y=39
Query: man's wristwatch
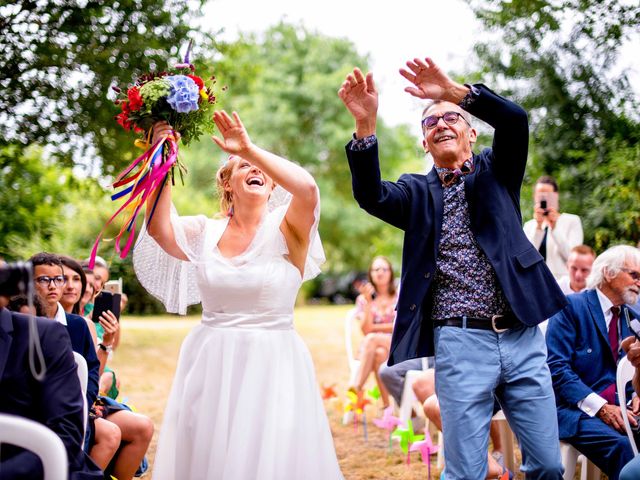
x=105, y=348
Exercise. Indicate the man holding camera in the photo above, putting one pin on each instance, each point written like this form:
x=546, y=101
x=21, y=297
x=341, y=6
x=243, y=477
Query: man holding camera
x=584, y=344
x=554, y=234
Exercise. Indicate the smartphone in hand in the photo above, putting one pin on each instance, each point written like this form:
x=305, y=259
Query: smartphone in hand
x=106, y=301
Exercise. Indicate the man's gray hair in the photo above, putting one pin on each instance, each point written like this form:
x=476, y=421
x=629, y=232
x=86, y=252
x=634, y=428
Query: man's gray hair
x=611, y=262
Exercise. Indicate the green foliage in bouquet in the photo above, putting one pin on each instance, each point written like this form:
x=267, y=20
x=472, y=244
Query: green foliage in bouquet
x=178, y=96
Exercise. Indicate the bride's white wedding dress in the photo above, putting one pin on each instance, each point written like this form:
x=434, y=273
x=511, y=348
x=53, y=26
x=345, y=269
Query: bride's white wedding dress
x=244, y=402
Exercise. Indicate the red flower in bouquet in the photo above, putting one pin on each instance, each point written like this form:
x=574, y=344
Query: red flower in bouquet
x=135, y=99
x=123, y=117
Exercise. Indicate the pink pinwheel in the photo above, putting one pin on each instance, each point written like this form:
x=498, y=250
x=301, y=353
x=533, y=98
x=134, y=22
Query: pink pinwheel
x=426, y=449
x=388, y=421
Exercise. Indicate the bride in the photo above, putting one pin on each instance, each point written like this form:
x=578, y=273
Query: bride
x=244, y=402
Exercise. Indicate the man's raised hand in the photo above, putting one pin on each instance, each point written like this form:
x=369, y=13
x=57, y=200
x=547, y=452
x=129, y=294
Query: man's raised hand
x=430, y=82
x=360, y=96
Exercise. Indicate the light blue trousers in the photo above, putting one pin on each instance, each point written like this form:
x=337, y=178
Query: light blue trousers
x=474, y=365
x=631, y=471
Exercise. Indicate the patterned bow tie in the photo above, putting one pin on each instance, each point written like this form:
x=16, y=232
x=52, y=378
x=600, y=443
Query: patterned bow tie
x=449, y=177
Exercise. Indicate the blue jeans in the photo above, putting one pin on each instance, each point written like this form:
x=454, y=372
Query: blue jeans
x=474, y=365
x=632, y=470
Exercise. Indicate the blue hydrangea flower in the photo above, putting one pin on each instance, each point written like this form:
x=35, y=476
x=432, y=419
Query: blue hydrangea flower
x=184, y=93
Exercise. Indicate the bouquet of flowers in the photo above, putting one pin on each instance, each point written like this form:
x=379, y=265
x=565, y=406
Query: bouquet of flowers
x=182, y=99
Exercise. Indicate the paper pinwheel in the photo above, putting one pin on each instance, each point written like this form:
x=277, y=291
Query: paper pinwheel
x=374, y=393
x=388, y=421
x=357, y=405
x=426, y=449
x=406, y=437
x=328, y=392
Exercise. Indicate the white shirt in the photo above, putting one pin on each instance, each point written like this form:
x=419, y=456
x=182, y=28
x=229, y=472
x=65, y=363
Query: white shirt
x=594, y=402
x=60, y=317
x=565, y=285
x=566, y=234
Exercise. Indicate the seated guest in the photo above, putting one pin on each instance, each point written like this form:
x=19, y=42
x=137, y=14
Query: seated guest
x=631, y=471
x=554, y=234
x=48, y=276
x=54, y=401
x=583, y=343
x=579, y=265
x=121, y=436
x=393, y=379
x=375, y=310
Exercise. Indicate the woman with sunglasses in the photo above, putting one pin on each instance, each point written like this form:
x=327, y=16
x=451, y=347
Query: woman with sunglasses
x=375, y=310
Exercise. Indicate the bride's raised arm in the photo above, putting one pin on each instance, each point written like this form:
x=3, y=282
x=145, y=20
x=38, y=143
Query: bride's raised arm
x=300, y=216
x=160, y=227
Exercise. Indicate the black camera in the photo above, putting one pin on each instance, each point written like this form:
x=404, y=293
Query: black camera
x=15, y=278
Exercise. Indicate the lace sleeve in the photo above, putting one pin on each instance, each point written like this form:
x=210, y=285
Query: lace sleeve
x=170, y=280
x=278, y=206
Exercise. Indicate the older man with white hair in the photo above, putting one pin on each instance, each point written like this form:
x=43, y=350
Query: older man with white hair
x=584, y=344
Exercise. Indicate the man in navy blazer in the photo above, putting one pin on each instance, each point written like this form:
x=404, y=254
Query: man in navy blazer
x=55, y=401
x=473, y=286
x=584, y=342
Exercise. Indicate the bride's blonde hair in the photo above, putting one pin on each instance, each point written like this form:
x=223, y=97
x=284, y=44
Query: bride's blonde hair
x=222, y=177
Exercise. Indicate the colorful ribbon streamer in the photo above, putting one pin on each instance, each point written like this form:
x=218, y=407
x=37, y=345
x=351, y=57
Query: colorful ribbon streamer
x=149, y=177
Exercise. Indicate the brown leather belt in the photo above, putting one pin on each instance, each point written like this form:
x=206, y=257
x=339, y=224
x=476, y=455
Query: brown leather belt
x=497, y=323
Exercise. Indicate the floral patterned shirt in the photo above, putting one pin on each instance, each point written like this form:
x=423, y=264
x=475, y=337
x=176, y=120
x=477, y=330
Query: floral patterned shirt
x=465, y=282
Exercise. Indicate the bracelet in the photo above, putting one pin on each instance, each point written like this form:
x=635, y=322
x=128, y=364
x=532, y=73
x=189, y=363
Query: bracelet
x=105, y=348
x=470, y=97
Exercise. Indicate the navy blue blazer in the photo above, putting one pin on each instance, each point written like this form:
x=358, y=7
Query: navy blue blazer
x=55, y=402
x=414, y=204
x=82, y=343
x=579, y=355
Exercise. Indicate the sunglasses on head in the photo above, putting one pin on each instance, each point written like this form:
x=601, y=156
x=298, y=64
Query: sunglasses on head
x=450, y=118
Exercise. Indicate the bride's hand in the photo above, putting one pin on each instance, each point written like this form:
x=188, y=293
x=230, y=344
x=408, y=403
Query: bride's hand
x=235, y=140
x=163, y=129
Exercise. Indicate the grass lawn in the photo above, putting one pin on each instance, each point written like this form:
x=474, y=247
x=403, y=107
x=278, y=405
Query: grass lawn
x=146, y=359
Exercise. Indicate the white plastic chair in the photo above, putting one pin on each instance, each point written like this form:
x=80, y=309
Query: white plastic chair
x=83, y=376
x=408, y=401
x=353, y=362
x=39, y=439
x=571, y=457
x=624, y=374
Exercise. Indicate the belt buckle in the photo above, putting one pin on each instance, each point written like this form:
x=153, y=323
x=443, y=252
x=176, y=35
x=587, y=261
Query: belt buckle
x=493, y=324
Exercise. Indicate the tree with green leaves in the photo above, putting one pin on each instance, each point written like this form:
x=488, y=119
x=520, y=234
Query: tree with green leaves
x=561, y=59
x=61, y=57
x=284, y=84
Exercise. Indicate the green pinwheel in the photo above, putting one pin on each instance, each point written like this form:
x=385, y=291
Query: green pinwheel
x=406, y=436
